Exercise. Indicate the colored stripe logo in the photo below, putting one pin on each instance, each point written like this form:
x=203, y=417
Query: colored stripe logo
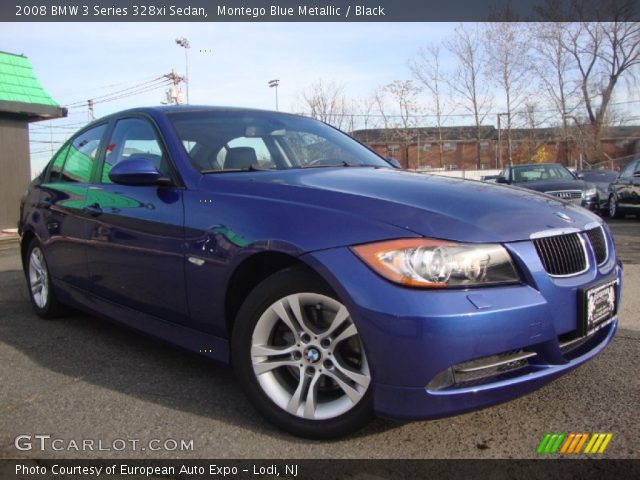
x=567, y=443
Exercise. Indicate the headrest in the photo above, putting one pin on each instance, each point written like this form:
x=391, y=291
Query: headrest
x=240, y=157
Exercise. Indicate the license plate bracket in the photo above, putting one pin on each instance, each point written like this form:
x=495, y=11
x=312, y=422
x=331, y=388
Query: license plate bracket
x=597, y=304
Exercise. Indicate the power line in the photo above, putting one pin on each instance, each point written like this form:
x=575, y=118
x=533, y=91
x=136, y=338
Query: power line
x=81, y=103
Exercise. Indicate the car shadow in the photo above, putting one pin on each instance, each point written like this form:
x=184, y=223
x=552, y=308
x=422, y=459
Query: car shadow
x=85, y=347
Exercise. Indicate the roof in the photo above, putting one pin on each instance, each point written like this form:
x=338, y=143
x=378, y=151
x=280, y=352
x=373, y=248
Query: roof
x=21, y=94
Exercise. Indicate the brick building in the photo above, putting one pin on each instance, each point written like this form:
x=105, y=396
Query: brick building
x=454, y=148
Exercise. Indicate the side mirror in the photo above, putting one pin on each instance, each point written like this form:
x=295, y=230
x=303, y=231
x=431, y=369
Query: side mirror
x=139, y=170
x=501, y=180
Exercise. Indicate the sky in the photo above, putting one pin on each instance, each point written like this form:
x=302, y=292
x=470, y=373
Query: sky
x=229, y=63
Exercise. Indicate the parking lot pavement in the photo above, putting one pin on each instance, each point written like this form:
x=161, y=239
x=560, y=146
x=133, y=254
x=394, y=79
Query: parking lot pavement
x=83, y=378
x=627, y=235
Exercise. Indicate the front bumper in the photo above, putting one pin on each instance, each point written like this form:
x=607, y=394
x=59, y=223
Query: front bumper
x=411, y=336
x=591, y=203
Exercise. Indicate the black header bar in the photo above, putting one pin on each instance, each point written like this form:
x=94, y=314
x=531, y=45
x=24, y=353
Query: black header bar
x=317, y=11
x=565, y=469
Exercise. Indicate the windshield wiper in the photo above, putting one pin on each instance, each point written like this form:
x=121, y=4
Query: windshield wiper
x=342, y=163
x=250, y=168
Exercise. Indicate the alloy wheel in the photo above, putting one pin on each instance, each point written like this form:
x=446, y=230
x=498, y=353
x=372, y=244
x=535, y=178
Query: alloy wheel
x=308, y=357
x=38, y=278
x=613, y=208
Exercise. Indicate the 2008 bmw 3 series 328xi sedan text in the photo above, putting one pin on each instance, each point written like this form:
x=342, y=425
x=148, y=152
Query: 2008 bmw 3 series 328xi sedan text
x=336, y=286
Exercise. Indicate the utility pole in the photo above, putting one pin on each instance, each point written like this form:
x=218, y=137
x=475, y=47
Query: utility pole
x=418, y=161
x=565, y=128
x=274, y=84
x=173, y=93
x=184, y=43
x=499, y=157
x=90, y=112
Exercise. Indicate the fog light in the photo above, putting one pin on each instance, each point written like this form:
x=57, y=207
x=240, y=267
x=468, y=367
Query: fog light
x=442, y=380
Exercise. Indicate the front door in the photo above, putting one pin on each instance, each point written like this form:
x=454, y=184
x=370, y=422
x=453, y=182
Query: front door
x=135, y=251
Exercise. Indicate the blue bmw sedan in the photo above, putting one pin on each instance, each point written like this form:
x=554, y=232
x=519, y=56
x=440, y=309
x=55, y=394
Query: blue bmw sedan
x=336, y=286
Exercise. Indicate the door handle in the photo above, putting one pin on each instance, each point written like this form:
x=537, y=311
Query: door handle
x=94, y=209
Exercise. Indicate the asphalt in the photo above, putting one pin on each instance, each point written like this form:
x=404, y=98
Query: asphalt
x=84, y=378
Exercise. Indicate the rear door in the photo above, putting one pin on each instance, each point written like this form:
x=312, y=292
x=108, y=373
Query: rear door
x=61, y=206
x=135, y=252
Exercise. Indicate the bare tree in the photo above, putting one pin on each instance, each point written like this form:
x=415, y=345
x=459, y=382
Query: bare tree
x=537, y=137
x=508, y=59
x=364, y=113
x=426, y=67
x=469, y=82
x=553, y=64
x=403, y=95
x=326, y=101
x=398, y=106
x=603, y=53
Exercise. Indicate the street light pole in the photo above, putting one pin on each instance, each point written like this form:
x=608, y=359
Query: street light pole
x=184, y=43
x=499, y=159
x=274, y=84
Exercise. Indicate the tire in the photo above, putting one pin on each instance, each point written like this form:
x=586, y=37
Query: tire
x=39, y=284
x=321, y=386
x=614, y=211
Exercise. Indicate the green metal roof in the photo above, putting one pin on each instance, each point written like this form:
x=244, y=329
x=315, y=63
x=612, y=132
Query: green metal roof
x=18, y=83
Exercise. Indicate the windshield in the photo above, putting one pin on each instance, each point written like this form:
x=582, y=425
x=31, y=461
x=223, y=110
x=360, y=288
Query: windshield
x=536, y=173
x=223, y=141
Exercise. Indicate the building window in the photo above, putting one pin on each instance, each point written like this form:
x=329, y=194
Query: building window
x=484, y=146
x=425, y=147
x=451, y=166
x=485, y=166
x=448, y=146
x=392, y=149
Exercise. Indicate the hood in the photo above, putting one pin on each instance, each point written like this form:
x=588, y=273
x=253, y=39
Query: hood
x=428, y=205
x=555, y=185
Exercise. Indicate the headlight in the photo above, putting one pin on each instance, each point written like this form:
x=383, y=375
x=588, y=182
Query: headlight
x=590, y=192
x=429, y=263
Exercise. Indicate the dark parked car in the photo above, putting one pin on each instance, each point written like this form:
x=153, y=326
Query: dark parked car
x=601, y=179
x=624, y=192
x=337, y=287
x=552, y=179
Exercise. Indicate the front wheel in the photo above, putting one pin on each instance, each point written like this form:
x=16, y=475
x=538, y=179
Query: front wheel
x=300, y=358
x=614, y=211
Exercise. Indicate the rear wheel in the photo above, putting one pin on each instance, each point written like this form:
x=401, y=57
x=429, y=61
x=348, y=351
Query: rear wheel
x=300, y=358
x=614, y=211
x=43, y=299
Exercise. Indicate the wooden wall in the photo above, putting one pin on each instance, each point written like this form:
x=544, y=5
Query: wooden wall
x=15, y=172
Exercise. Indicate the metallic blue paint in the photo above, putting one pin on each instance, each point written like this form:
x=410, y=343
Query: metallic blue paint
x=160, y=259
x=136, y=171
